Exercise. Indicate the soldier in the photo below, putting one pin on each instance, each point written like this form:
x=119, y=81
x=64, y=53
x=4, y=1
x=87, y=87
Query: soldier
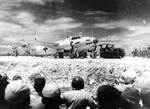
x=36, y=96
x=17, y=94
x=51, y=96
x=108, y=97
x=17, y=77
x=72, y=51
x=77, y=98
x=39, y=83
x=135, y=53
x=3, y=83
x=16, y=53
x=145, y=95
x=130, y=98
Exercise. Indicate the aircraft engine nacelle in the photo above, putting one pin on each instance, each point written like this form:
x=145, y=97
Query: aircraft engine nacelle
x=84, y=43
x=64, y=44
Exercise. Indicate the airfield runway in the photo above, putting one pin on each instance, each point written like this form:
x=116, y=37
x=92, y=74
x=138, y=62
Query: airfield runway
x=94, y=71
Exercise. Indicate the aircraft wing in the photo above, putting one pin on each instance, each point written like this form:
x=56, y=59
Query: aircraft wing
x=108, y=41
x=22, y=43
x=105, y=42
x=44, y=43
x=12, y=43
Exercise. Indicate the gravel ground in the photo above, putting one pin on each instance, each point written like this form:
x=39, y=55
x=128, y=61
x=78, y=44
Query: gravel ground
x=94, y=71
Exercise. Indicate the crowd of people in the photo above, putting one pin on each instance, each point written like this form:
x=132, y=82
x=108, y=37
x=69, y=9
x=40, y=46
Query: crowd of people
x=143, y=52
x=17, y=94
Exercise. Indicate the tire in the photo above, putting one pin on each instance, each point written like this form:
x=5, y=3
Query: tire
x=60, y=54
x=82, y=54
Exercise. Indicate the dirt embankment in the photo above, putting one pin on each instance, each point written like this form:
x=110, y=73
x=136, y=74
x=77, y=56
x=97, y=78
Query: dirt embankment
x=94, y=71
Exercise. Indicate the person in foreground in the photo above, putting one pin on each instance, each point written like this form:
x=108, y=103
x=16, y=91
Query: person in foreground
x=39, y=83
x=77, y=98
x=3, y=84
x=145, y=95
x=17, y=94
x=108, y=97
x=51, y=96
x=130, y=98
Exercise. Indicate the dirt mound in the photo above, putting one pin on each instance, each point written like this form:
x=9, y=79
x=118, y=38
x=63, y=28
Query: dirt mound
x=94, y=71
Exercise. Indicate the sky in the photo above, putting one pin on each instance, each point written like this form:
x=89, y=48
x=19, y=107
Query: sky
x=19, y=21
x=25, y=19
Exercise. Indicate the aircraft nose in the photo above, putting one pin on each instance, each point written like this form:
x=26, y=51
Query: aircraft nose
x=95, y=41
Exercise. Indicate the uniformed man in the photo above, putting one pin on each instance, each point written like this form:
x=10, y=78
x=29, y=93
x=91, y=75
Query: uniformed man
x=51, y=96
x=108, y=97
x=17, y=94
x=77, y=98
x=39, y=83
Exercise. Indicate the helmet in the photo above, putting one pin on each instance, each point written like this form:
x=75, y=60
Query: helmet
x=39, y=83
x=108, y=97
x=77, y=83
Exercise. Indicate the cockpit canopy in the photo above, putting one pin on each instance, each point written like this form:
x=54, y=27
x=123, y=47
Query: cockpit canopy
x=76, y=37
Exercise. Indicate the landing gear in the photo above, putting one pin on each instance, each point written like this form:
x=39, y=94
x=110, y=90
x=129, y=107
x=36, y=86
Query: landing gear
x=71, y=56
x=82, y=54
x=60, y=54
x=16, y=53
x=73, y=53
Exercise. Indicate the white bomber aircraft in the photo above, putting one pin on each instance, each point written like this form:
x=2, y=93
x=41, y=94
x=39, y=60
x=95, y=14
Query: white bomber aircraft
x=67, y=46
x=80, y=42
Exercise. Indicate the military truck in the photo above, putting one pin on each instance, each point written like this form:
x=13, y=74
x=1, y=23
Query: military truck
x=109, y=51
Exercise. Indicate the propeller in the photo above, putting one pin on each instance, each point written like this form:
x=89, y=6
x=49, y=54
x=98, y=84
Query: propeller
x=95, y=41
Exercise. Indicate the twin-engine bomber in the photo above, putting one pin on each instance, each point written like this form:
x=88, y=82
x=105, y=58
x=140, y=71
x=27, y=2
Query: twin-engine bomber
x=76, y=46
x=80, y=46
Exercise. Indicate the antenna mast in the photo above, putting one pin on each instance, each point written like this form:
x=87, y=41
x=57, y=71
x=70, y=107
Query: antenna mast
x=92, y=33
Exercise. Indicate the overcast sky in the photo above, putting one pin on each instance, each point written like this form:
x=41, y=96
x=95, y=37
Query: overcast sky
x=25, y=19
x=21, y=21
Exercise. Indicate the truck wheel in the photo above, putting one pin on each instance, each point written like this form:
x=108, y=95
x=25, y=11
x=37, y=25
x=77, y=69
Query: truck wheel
x=82, y=54
x=61, y=55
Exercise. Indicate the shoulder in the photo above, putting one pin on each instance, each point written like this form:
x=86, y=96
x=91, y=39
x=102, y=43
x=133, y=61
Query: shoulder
x=36, y=102
x=70, y=92
x=86, y=93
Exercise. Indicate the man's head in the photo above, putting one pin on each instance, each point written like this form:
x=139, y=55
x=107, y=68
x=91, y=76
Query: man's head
x=51, y=95
x=131, y=94
x=16, y=77
x=3, y=79
x=3, y=83
x=77, y=83
x=39, y=83
x=108, y=97
x=130, y=98
x=17, y=93
x=145, y=94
